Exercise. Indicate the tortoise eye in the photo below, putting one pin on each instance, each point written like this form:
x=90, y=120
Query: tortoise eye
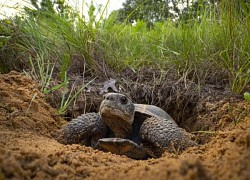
x=123, y=100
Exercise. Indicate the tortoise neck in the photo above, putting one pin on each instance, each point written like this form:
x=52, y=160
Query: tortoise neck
x=120, y=128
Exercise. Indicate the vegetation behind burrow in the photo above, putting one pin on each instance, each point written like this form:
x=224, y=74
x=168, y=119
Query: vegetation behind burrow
x=55, y=43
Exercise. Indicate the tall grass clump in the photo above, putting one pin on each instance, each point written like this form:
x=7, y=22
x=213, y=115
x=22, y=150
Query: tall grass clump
x=216, y=39
x=235, y=42
x=181, y=46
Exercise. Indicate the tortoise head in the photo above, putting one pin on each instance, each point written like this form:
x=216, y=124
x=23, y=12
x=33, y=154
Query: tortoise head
x=117, y=112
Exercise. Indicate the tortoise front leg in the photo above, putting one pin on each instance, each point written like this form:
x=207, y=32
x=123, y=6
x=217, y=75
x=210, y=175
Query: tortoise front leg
x=160, y=134
x=122, y=146
x=86, y=129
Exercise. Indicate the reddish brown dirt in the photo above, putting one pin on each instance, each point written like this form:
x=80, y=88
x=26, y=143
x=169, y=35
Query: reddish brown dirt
x=29, y=151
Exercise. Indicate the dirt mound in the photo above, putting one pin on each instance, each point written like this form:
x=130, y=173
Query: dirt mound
x=23, y=107
x=28, y=150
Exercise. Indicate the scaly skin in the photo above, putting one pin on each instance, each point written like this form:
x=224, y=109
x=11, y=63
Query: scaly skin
x=164, y=134
x=86, y=129
x=123, y=147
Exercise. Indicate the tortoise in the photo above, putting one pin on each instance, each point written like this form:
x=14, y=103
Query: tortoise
x=138, y=131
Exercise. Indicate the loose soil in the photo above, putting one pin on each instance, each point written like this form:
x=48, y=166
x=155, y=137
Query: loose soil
x=29, y=150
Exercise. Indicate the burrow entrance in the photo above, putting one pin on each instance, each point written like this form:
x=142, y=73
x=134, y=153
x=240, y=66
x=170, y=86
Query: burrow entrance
x=200, y=109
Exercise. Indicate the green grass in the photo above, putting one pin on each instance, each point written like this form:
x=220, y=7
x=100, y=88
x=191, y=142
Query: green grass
x=44, y=45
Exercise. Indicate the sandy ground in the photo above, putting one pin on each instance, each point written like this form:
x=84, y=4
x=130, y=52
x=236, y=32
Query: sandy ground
x=28, y=149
